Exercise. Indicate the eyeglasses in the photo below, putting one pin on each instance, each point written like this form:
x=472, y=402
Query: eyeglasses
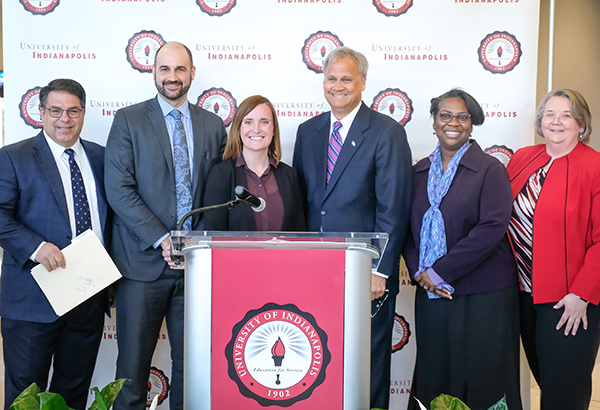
x=446, y=118
x=377, y=304
x=56, y=112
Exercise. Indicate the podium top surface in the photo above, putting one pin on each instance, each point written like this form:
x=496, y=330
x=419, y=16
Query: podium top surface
x=372, y=243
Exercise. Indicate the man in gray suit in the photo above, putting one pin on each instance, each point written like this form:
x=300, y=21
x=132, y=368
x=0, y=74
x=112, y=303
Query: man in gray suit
x=158, y=155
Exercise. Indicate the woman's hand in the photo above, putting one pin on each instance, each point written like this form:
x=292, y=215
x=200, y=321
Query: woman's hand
x=575, y=313
x=426, y=283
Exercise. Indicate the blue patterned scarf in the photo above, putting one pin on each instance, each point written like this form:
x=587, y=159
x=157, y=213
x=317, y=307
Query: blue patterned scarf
x=433, y=231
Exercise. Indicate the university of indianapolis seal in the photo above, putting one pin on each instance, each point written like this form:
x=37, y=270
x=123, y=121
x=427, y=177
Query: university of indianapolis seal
x=277, y=355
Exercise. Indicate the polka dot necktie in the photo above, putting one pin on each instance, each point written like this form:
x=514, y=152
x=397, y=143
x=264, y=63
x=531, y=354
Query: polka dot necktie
x=335, y=146
x=183, y=176
x=81, y=207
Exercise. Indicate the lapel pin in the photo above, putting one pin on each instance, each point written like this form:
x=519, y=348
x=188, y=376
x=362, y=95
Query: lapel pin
x=353, y=144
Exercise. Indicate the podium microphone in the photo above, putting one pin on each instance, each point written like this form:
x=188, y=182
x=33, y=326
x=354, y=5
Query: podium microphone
x=242, y=194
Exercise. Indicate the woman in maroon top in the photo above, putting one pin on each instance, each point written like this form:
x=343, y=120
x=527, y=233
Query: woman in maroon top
x=555, y=235
x=252, y=159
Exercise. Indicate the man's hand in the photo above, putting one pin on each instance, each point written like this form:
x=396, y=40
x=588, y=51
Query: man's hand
x=166, y=253
x=51, y=257
x=574, y=314
x=377, y=286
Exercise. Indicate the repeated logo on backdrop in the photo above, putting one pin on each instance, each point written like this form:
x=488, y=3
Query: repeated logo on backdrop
x=220, y=102
x=499, y=52
x=158, y=384
x=316, y=47
x=39, y=7
x=216, y=7
x=394, y=103
x=501, y=152
x=277, y=355
x=400, y=333
x=29, y=108
x=392, y=7
x=141, y=49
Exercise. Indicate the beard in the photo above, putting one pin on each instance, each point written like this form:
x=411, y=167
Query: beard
x=172, y=95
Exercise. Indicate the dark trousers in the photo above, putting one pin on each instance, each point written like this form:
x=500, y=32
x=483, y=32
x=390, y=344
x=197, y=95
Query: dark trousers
x=468, y=347
x=382, y=326
x=141, y=308
x=562, y=365
x=73, y=341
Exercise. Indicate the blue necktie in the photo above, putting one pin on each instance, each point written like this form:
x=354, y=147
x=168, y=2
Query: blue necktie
x=183, y=176
x=81, y=207
x=335, y=147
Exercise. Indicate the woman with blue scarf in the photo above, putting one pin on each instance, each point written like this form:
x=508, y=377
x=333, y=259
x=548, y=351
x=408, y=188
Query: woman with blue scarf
x=466, y=304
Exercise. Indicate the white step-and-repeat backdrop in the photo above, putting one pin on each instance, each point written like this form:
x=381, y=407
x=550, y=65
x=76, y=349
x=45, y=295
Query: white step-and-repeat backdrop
x=417, y=49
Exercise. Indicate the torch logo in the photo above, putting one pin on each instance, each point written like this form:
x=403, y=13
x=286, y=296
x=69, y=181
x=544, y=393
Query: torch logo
x=141, y=49
x=395, y=104
x=219, y=102
x=316, y=47
x=501, y=152
x=39, y=7
x=499, y=52
x=277, y=355
x=29, y=108
x=216, y=7
x=392, y=7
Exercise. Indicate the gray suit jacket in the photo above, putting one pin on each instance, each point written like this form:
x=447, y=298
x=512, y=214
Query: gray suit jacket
x=140, y=181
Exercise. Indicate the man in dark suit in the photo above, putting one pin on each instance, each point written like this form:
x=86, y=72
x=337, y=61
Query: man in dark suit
x=354, y=166
x=39, y=216
x=158, y=156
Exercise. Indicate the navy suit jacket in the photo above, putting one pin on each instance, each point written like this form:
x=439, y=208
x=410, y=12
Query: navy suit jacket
x=369, y=190
x=140, y=180
x=33, y=208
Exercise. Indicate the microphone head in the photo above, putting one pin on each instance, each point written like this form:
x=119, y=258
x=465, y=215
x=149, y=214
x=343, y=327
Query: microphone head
x=246, y=196
x=261, y=207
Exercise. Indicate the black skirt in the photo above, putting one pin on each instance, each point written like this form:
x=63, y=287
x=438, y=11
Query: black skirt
x=468, y=347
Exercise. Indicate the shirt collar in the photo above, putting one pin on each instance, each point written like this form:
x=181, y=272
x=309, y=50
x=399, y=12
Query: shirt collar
x=58, y=150
x=241, y=162
x=166, y=108
x=348, y=119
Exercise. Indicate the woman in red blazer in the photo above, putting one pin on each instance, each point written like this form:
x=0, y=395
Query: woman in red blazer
x=555, y=236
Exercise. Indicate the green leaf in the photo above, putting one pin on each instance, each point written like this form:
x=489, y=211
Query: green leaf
x=28, y=399
x=446, y=402
x=52, y=401
x=501, y=405
x=105, y=399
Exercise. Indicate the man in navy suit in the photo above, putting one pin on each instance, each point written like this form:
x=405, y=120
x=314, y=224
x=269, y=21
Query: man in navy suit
x=354, y=166
x=142, y=189
x=37, y=220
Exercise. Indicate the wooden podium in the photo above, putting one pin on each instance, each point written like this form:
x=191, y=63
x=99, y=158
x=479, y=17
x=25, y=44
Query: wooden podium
x=277, y=319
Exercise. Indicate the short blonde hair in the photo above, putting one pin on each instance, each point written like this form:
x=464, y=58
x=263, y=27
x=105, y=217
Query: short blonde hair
x=579, y=109
x=233, y=149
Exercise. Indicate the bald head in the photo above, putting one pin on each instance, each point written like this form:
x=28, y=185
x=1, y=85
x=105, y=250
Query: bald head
x=173, y=72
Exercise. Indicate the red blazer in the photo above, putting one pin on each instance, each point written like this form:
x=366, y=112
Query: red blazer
x=566, y=224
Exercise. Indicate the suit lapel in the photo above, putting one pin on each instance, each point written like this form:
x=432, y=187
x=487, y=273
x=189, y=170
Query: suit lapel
x=156, y=118
x=47, y=165
x=353, y=141
x=321, y=143
x=97, y=163
x=198, y=131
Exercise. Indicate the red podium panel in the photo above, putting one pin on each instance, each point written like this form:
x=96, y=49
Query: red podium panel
x=277, y=328
x=278, y=320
